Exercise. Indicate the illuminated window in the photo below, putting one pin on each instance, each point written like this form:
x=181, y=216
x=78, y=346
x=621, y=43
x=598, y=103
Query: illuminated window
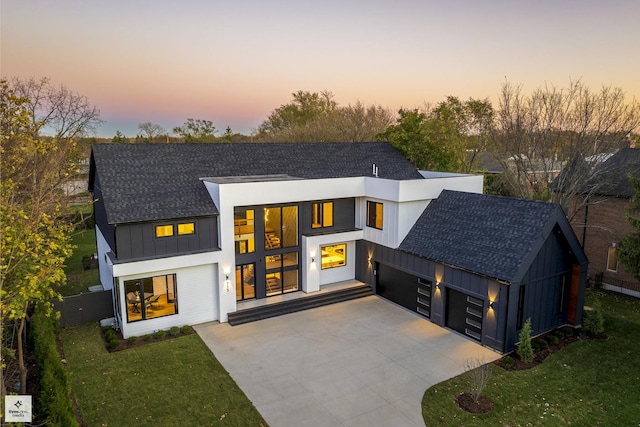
x=186, y=228
x=322, y=215
x=280, y=227
x=164, y=230
x=243, y=230
x=374, y=215
x=334, y=256
x=151, y=297
x=612, y=258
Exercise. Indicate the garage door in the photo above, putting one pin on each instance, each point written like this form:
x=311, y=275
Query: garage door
x=464, y=314
x=408, y=290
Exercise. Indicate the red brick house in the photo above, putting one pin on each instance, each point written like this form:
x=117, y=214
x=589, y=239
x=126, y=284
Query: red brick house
x=602, y=223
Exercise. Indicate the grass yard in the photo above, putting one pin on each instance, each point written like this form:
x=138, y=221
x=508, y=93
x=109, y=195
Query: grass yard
x=590, y=382
x=79, y=280
x=168, y=383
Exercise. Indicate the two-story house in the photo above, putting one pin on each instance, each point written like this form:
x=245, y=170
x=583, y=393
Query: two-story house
x=190, y=233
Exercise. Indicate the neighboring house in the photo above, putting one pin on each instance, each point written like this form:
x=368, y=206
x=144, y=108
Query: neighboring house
x=190, y=233
x=601, y=223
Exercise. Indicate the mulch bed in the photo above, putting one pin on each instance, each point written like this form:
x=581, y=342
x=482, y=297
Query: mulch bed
x=143, y=340
x=512, y=363
x=466, y=402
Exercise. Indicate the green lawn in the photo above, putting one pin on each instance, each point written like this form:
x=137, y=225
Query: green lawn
x=169, y=383
x=79, y=280
x=590, y=382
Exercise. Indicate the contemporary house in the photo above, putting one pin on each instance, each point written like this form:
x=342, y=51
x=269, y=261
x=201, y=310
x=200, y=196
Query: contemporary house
x=190, y=233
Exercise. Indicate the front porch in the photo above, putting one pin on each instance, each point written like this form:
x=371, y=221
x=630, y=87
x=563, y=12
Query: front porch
x=250, y=311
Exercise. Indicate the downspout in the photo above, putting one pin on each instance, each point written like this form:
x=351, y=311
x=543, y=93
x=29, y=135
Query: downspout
x=506, y=318
x=584, y=228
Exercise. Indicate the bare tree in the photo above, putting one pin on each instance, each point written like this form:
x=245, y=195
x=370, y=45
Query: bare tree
x=150, y=131
x=537, y=135
x=56, y=108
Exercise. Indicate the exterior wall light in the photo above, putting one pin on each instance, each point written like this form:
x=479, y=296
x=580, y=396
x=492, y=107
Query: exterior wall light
x=227, y=282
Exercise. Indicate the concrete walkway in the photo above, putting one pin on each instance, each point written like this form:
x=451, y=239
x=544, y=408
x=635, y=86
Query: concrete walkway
x=365, y=362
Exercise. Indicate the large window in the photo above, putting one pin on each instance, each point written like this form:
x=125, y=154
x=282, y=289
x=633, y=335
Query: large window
x=244, y=230
x=245, y=282
x=151, y=297
x=374, y=215
x=280, y=227
x=612, y=258
x=334, y=256
x=322, y=215
x=281, y=273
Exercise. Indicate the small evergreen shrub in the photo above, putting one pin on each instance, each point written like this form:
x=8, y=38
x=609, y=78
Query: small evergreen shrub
x=593, y=320
x=542, y=343
x=185, y=329
x=508, y=362
x=567, y=331
x=132, y=340
x=559, y=334
x=174, y=331
x=147, y=337
x=160, y=334
x=113, y=344
x=524, y=350
x=110, y=335
x=553, y=339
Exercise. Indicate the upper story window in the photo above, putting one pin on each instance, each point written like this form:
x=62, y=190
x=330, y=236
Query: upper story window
x=164, y=230
x=374, y=215
x=280, y=227
x=186, y=228
x=612, y=258
x=322, y=215
x=244, y=230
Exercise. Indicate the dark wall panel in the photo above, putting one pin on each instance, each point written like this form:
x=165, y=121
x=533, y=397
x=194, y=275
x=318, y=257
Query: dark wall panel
x=344, y=216
x=139, y=240
x=100, y=215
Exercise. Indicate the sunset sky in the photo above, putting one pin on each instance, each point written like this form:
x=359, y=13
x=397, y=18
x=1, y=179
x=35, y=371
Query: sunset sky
x=234, y=62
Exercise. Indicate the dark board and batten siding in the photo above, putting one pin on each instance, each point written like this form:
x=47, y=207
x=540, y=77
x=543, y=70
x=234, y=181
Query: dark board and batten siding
x=138, y=240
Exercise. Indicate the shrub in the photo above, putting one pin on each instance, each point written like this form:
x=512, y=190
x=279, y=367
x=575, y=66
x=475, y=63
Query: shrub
x=567, y=331
x=174, y=331
x=508, y=362
x=54, y=405
x=160, y=334
x=147, y=337
x=559, y=334
x=185, y=329
x=542, y=343
x=524, y=350
x=113, y=344
x=553, y=339
x=110, y=335
x=593, y=320
x=132, y=340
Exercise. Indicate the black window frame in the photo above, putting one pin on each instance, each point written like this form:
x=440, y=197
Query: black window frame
x=372, y=215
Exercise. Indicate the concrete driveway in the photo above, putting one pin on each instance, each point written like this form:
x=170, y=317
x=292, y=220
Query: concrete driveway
x=365, y=362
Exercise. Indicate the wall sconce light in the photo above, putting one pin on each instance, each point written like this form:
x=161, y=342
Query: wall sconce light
x=313, y=260
x=438, y=285
x=227, y=282
x=491, y=303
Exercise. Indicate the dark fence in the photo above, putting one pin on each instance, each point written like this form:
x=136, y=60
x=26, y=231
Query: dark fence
x=78, y=309
x=601, y=279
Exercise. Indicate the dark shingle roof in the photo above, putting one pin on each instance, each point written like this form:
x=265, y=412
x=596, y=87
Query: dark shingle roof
x=485, y=234
x=144, y=182
x=613, y=174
